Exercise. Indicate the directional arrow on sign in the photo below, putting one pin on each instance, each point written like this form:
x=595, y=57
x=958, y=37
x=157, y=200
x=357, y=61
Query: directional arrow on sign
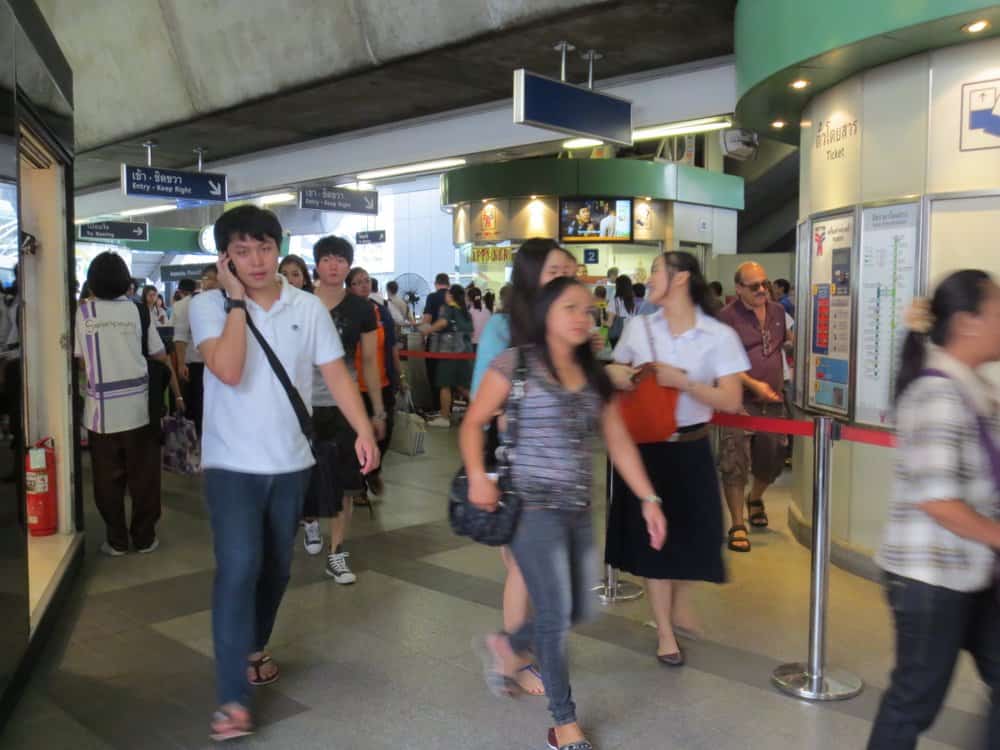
x=214, y=188
x=369, y=203
x=139, y=231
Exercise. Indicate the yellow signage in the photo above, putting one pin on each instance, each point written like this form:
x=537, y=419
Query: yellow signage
x=485, y=254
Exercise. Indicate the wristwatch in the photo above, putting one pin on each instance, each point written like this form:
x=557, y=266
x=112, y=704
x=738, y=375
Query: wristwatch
x=653, y=499
x=233, y=304
x=379, y=417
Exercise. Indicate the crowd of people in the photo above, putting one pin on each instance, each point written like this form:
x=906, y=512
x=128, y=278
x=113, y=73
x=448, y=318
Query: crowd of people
x=291, y=377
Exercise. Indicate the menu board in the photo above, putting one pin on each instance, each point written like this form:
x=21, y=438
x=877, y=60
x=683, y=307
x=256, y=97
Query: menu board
x=888, y=279
x=831, y=250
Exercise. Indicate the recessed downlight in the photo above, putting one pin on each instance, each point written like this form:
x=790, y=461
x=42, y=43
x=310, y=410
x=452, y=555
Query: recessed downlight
x=799, y=84
x=976, y=26
x=778, y=124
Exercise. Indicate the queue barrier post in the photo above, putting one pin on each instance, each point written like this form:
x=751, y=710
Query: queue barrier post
x=613, y=589
x=814, y=680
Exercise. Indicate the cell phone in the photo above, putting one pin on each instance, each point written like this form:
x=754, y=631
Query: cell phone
x=232, y=267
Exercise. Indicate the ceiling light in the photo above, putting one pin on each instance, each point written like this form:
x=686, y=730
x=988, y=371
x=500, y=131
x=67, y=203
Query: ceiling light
x=686, y=127
x=149, y=210
x=582, y=143
x=355, y=185
x=806, y=124
x=424, y=166
x=799, y=84
x=534, y=197
x=648, y=198
x=778, y=124
x=272, y=198
x=975, y=27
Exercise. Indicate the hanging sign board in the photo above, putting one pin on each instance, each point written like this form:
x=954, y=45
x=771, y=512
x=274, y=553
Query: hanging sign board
x=567, y=108
x=326, y=198
x=831, y=291
x=887, y=282
x=487, y=254
x=151, y=182
x=369, y=238
x=178, y=273
x=115, y=230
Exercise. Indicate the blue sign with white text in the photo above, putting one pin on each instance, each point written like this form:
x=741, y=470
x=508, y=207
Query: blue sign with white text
x=153, y=182
x=591, y=255
x=557, y=105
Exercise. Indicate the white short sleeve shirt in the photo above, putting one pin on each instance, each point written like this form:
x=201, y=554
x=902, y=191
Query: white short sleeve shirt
x=707, y=352
x=107, y=340
x=251, y=427
x=182, y=329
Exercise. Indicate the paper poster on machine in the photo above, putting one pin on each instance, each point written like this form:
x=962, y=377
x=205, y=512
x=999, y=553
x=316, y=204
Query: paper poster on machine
x=831, y=297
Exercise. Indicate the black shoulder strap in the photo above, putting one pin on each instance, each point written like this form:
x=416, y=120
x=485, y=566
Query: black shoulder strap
x=144, y=323
x=298, y=405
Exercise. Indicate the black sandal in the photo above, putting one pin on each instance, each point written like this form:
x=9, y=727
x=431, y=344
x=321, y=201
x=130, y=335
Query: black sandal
x=259, y=679
x=735, y=540
x=757, y=515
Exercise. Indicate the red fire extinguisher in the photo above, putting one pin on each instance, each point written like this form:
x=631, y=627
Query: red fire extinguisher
x=40, y=487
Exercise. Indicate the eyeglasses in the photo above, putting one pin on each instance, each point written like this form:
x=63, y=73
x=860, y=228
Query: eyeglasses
x=756, y=286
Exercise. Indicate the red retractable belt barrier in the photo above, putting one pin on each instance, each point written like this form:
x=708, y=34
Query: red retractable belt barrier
x=868, y=437
x=778, y=425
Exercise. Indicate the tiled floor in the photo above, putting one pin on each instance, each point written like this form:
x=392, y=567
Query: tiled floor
x=386, y=663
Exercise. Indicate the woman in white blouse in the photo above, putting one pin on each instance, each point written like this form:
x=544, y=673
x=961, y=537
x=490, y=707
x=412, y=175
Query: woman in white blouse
x=702, y=358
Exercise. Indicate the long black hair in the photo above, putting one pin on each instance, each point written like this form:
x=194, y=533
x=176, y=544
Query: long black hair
x=475, y=297
x=961, y=292
x=307, y=285
x=489, y=300
x=584, y=353
x=457, y=292
x=529, y=261
x=698, y=288
x=626, y=293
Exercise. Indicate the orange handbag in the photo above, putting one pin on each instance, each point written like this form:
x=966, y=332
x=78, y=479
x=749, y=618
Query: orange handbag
x=650, y=410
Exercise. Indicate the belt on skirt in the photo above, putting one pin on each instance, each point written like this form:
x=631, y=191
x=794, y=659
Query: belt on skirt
x=690, y=433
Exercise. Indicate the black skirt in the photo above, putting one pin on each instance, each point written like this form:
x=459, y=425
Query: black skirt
x=684, y=475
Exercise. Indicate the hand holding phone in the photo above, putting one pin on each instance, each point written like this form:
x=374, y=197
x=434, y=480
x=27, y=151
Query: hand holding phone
x=228, y=278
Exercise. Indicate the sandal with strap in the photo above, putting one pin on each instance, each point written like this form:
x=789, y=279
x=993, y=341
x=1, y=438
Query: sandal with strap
x=501, y=685
x=553, y=743
x=757, y=515
x=738, y=543
x=226, y=725
x=533, y=670
x=258, y=678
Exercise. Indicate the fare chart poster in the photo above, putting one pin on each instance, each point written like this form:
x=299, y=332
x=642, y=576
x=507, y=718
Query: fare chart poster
x=831, y=292
x=887, y=283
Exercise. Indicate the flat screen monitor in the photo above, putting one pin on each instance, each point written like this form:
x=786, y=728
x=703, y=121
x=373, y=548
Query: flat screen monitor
x=595, y=220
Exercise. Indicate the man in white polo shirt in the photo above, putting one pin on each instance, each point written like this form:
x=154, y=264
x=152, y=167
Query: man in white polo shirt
x=257, y=460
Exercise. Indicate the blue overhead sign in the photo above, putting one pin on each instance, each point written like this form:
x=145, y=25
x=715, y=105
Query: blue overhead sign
x=567, y=108
x=152, y=182
x=325, y=198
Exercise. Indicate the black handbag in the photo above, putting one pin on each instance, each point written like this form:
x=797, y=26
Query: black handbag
x=494, y=528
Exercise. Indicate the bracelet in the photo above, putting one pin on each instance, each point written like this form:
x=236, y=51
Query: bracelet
x=653, y=499
x=379, y=417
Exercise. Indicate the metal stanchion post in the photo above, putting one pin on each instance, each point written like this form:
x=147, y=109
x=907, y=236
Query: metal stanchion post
x=813, y=681
x=612, y=589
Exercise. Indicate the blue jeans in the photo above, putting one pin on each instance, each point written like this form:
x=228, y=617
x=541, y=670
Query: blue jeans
x=254, y=521
x=933, y=624
x=555, y=551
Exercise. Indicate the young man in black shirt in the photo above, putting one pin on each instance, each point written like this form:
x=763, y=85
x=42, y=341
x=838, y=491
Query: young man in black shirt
x=356, y=324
